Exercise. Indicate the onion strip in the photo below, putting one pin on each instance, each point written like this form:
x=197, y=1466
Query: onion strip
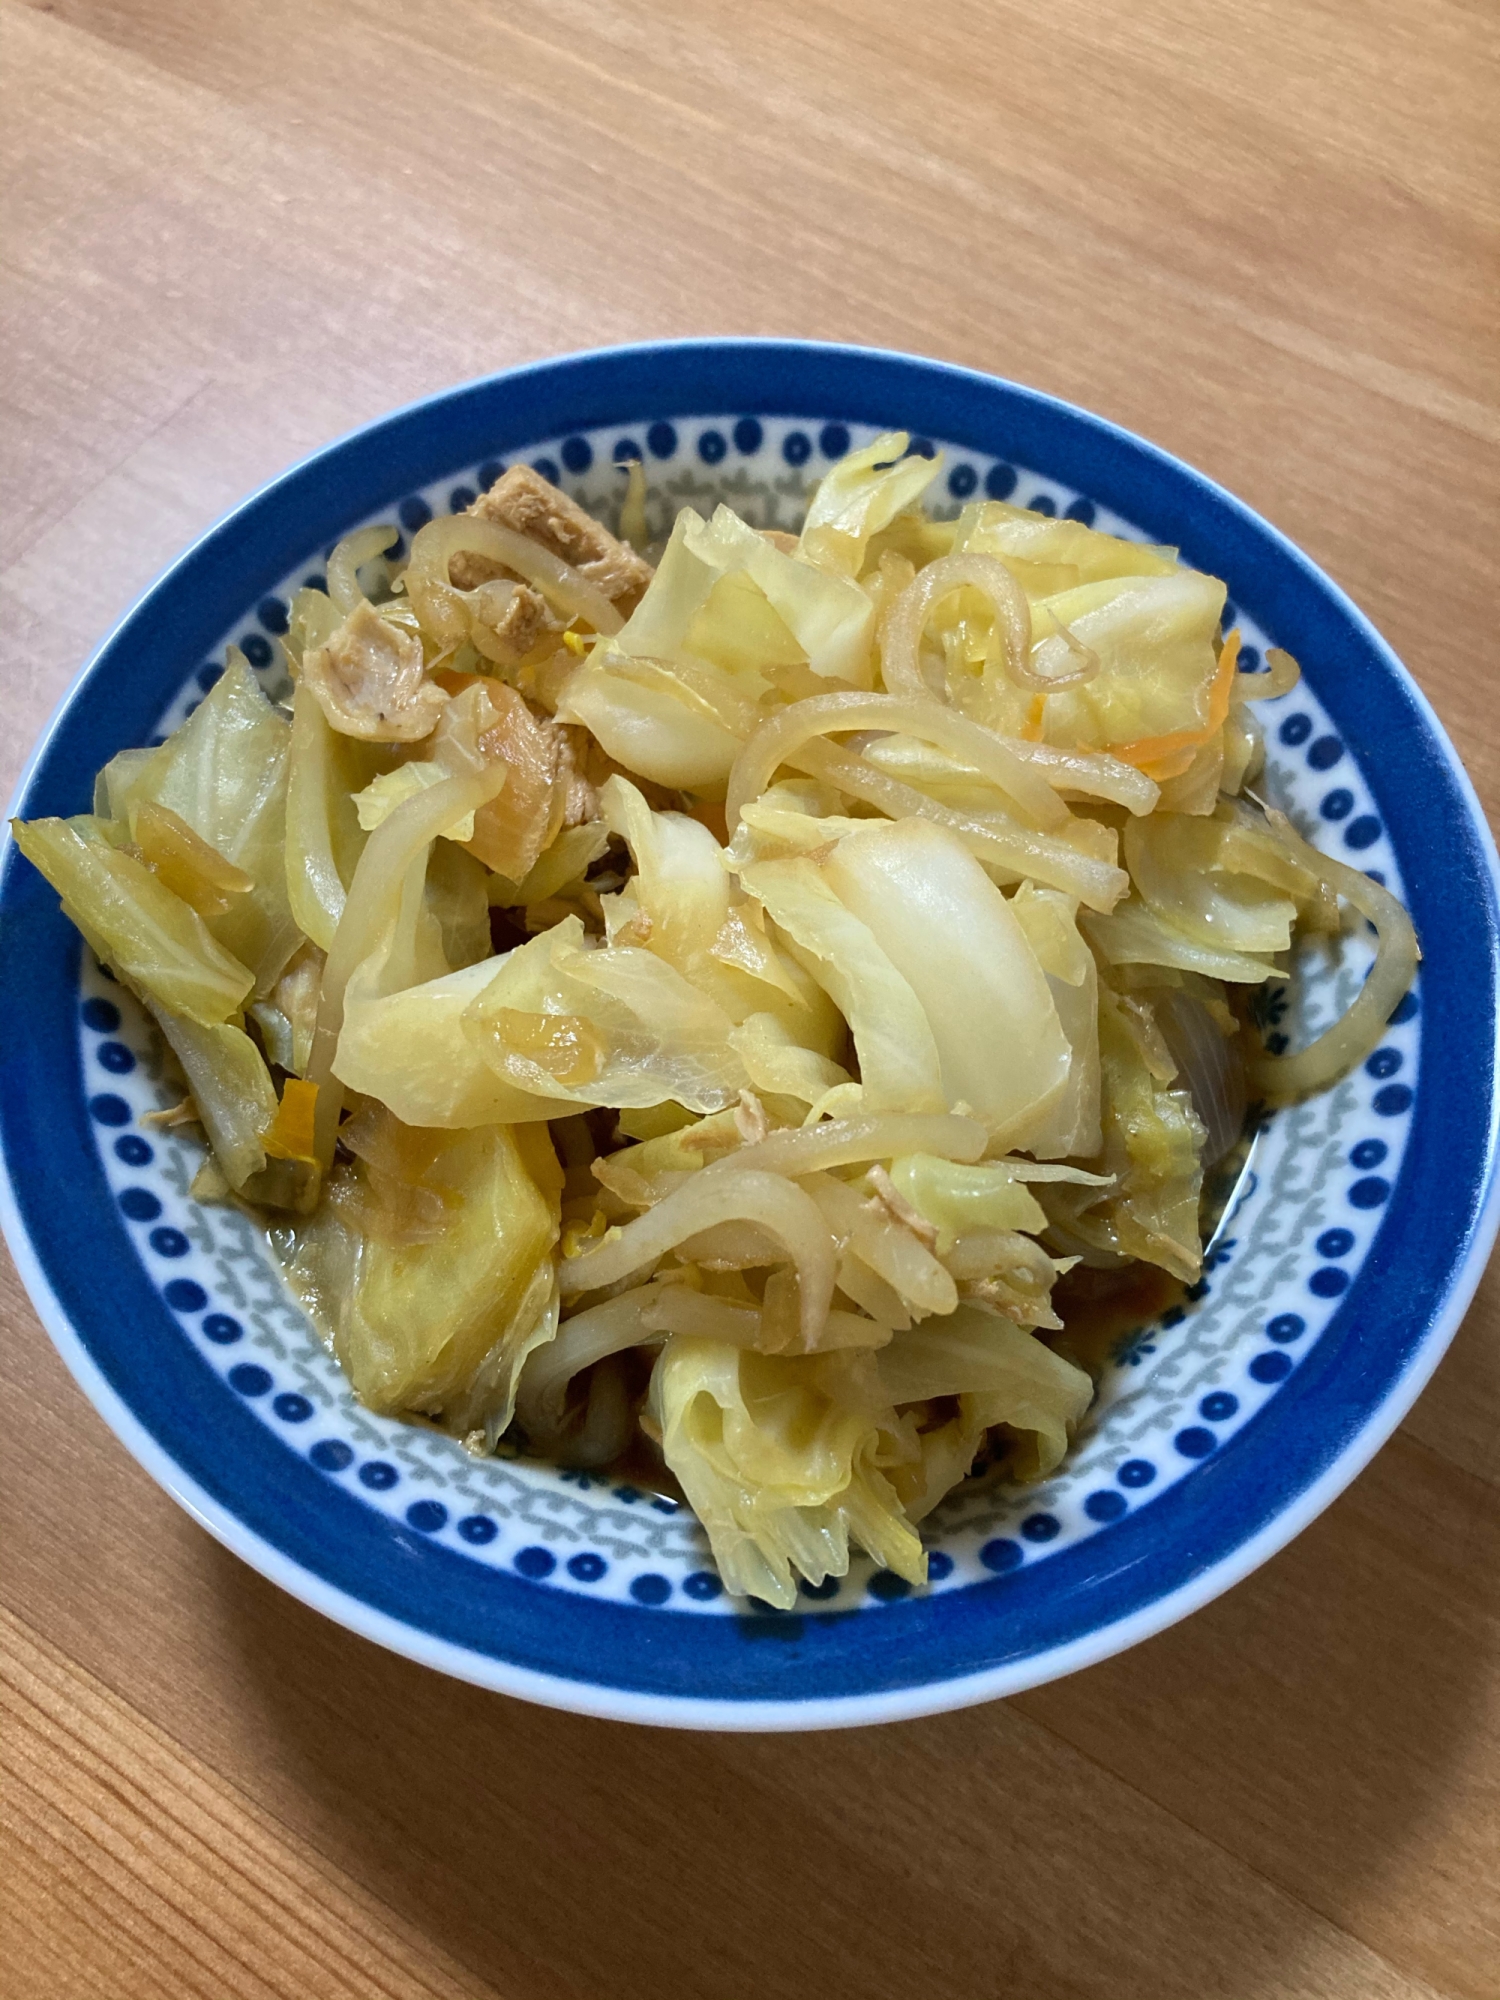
x=568, y=589
x=849, y=1142
x=904, y=623
x=991, y=837
x=370, y=914
x=777, y=1205
x=992, y=756
x=350, y=557
x=1355, y=1033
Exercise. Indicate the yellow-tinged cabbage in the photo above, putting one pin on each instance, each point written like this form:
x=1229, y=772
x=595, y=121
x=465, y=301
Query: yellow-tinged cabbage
x=232, y=1090
x=955, y=1198
x=289, y=1015
x=779, y=1065
x=1133, y=934
x=1153, y=1146
x=898, y=1055
x=954, y=939
x=652, y=730
x=557, y=869
x=829, y=616
x=671, y=695
x=1154, y=638
x=160, y=947
x=784, y=1459
x=223, y=772
x=1001, y=1376
x=430, y=1264
x=410, y=1050
x=1050, y=921
x=1049, y=554
x=611, y=1025
x=859, y=496
x=380, y=798
x=685, y=909
x=456, y=899
x=324, y=839
x=1228, y=886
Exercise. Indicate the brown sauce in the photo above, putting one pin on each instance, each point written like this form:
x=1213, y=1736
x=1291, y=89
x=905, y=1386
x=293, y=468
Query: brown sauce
x=1098, y=1307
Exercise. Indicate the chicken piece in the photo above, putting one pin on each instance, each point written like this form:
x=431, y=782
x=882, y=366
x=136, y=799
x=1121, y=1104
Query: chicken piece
x=507, y=620
x=511, y=831
x=522, y=500
x=368, y=679
x=580, y=799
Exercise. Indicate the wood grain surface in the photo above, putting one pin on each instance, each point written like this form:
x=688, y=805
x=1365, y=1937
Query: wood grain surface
x=1261, y=232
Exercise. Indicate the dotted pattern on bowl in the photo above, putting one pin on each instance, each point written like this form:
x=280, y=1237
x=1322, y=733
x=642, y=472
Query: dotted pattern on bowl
x=1174, y=1392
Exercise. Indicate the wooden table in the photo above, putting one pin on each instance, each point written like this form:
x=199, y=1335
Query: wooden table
x=1260, y=232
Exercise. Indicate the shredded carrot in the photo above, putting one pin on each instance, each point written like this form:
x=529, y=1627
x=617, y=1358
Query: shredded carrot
x=291, y=1132
x=1031, y=728
x=1163, y=757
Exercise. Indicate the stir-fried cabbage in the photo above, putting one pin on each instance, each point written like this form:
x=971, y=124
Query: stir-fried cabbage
x=697, y=1012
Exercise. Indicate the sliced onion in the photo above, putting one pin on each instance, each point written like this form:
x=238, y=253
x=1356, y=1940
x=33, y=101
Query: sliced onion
x=904, y=623
x=1093, y=772
x=847, y=1142
x=1281, y=676
x=435, y=546
x=396, y=847
x=350, y=557
x=1355, y=1034
x=993, y=837
x=777, y=1205
x=1004, y=763
x=1209, y=1067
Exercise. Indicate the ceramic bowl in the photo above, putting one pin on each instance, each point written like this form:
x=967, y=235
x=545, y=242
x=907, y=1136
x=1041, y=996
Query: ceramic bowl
x=1345, y=1256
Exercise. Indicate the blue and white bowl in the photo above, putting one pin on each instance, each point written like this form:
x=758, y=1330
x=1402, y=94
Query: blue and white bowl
x=1346, y=1256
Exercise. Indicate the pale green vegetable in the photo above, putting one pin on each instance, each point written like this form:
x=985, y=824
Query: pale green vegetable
x=684, y=910
x=955, y=940
x=954, y=1197
x=1049, y=553
x=565, y=862
x=1050, y=921
x=670, y=696
x=1001, y=1376
x=1153, y=1147
x=380, y=798
x=604, y=1026
x=862, y=494
x=784, y=1459
x=411, y=1051
x=829, y=616
x=224, y=772
x=160, y=947
x=430, y=1260
x=1215, y=882
x=231, y=1088
x=1134, y=934
x=324, y=838
x=899, y=1066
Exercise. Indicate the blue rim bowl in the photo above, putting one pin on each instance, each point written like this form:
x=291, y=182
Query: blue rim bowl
x=640, y=1659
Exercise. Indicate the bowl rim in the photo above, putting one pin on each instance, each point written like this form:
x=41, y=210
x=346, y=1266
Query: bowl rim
x=694, y=366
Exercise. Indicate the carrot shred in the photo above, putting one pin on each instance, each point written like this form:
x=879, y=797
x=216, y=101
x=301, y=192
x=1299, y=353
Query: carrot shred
x=1161, y=757
x=290, y=1136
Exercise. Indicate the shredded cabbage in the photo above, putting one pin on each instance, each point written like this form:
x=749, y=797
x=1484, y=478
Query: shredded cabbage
x=702, y=1012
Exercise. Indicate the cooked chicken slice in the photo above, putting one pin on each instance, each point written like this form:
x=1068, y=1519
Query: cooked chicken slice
x=368, y=680
x=508, y=619
x=522, y=500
